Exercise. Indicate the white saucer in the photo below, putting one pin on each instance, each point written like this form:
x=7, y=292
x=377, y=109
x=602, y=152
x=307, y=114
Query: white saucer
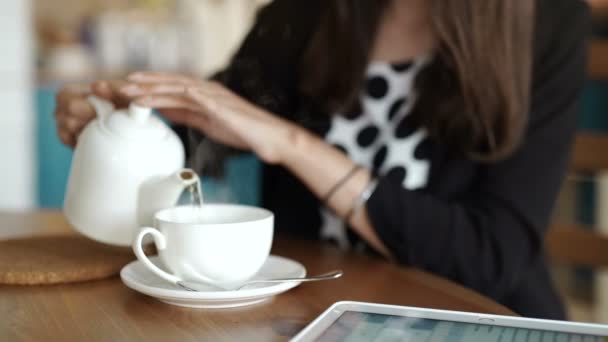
x=140, y=279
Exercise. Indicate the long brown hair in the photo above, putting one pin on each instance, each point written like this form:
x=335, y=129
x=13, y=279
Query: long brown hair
x=473, y=96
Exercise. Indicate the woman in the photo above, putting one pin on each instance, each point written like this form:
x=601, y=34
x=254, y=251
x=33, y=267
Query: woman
x=435, y=133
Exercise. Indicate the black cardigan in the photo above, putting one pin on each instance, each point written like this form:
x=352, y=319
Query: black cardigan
x=481, y=225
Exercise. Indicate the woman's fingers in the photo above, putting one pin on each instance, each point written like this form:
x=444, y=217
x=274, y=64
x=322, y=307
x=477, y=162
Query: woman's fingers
x=161, y=77
x=168, y=101
x=73, y=112
x=181, y=110
x=197, y=95
x=71, y=123
x=138, y=89
x=67, y=139
x=196, y=99
x=206, y=126
x=77, y=107
x=71, y=90
x=69, y=127
x=153, y=82
x=216, y=108
x=187, y=112
x=111, y=91
x=187, y=117
x=81, y=108
x=141, y=89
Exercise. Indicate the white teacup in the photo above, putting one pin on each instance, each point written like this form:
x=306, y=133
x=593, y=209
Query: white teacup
x=220, y=244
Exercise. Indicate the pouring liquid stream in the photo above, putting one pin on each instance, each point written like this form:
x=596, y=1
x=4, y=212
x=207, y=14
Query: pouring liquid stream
x=196, y=198
x=193, y=192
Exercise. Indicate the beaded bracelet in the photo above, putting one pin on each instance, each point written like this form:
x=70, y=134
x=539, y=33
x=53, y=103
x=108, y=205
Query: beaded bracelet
x=339, y=184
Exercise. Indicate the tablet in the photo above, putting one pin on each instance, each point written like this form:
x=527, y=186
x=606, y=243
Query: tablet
x=357, y=321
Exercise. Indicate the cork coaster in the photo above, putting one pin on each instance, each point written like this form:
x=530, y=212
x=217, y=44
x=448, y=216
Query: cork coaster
x=59, y=259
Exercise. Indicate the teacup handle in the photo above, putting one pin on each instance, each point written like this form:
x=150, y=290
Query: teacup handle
x=161, y=243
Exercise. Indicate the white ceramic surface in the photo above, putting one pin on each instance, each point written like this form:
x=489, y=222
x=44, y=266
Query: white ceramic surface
x=220, y=244
x=137, y=277
x=118, y=161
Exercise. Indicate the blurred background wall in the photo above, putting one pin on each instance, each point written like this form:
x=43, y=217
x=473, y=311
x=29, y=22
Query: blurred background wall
x=17, y=169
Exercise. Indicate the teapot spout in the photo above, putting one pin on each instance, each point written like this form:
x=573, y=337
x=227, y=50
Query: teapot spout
x=162, y=192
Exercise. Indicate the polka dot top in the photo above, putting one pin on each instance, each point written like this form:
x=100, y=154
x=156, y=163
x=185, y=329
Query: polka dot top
x=380, y=137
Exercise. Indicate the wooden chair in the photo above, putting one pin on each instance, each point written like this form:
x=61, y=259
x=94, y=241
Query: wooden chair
x=597, y=67
x=571, y=244
x=599, y=8
x=576, y=245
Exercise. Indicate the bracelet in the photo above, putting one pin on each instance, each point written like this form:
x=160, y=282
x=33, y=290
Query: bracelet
x=339, y=184
x=361, y=199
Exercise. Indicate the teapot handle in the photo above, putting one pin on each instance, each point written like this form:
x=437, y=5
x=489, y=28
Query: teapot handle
x=102, y=107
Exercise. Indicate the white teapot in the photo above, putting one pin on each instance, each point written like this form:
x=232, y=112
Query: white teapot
x=127, y=165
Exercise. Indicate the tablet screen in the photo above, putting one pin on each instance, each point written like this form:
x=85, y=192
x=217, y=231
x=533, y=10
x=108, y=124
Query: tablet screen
x=354, y=326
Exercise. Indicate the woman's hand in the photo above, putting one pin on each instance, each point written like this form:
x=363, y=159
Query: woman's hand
x=214, y=110
x=229, y=119
x=73, y=111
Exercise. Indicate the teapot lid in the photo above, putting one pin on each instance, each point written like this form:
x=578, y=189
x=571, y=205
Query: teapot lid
x=136, y=123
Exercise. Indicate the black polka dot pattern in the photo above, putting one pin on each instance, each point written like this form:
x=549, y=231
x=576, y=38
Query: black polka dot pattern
x=320, y=127
x=423, y=150
x=397, y=174
x=355, y=112
x=402, y=67
x=396, y=108
x=341, y=148
x=367, y=136
x=353, y=115
x=405, y=128
x=379, y=133
x=377, y=87
x=379, y=157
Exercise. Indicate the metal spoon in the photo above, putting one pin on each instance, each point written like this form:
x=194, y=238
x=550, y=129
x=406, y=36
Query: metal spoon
x=325, y=276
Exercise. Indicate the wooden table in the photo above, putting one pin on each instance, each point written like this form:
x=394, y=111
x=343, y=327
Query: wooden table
x=109, y=311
